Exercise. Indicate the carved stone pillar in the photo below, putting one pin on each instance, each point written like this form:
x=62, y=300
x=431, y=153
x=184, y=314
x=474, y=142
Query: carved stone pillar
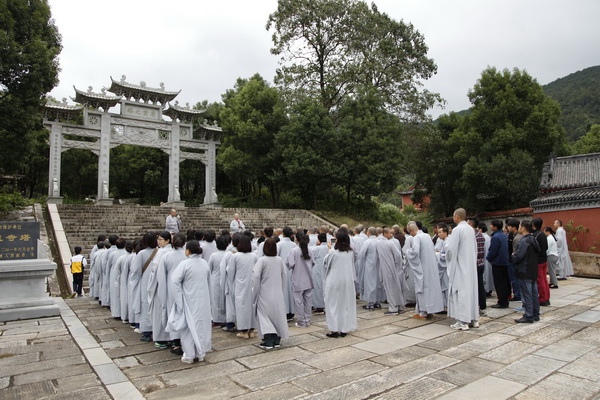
x=103, y=159
x=54, y=196
x=174, y=199
x=210, y=196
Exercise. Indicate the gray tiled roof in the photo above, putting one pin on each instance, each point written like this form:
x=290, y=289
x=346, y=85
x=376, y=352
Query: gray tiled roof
x=571, y=172
x=567, y=199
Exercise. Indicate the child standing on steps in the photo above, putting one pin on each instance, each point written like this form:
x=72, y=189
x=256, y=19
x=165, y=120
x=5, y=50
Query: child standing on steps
x=78, y=264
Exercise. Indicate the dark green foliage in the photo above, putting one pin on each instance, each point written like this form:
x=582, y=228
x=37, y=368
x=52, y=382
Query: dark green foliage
x=491, y=158
x=332, y=50
x=589, y=143
x=579, y=98
x=29, y=46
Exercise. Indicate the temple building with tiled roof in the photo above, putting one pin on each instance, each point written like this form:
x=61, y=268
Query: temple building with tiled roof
x=570, y=190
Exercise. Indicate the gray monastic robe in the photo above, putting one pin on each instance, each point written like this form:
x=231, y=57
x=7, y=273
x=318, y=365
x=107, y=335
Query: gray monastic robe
x=421, y=258
x=340, y=298
x=155, y=307
x=240, y=269
x=227, y=301
x=168, y=263
x=440, y=253
x=300, y=269
x=488, y=277
x=191, y=315
x=389, y=260
x=284, y=246
x=268, y=282
x=214, y=264
x=319, y=253
x=124, y=286
x=115, y=282
x=138, y=284
x=565, y=266
x=409, y=278
x=208, y=248
x=94, y=278
x=461, y=256
x=372, y=290
x=107, y=263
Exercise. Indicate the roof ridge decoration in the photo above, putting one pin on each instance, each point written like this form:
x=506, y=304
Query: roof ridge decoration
x=96, y=100
x=142, y=92
x=184, y=114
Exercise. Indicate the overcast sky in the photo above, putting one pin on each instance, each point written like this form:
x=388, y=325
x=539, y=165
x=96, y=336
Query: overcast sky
x=202, y=47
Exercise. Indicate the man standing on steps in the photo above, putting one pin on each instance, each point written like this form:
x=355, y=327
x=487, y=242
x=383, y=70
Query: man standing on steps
x=237, y=226
x=173, y=222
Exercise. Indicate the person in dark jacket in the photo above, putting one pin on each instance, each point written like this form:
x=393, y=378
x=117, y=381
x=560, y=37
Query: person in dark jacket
x=498, y=256
x=525, y=259
x=542, y=280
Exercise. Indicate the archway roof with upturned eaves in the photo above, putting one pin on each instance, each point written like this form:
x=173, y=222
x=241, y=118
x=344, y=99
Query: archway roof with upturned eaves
x=141, y=91
x=96, y=100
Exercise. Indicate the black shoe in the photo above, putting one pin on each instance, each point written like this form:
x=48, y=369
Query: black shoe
x=377, y=305
x=553, y=286
x=368, y=307
x=545, y=303
x=333, y=334
x=411, y=304
x=342, y=334
x=391, y=313
x=524, y=320
x=536, y=319
x=177, y=350
x=498, y=306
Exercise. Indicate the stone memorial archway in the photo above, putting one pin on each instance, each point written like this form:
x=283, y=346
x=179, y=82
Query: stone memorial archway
x=140, y=123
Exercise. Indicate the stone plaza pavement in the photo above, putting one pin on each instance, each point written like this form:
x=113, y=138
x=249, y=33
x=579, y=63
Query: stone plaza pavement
x=87, y=354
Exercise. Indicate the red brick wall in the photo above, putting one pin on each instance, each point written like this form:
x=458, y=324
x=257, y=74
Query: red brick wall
x=589, y=218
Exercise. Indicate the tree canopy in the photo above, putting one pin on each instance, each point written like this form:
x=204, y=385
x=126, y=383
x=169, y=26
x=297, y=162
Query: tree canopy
x=332, y=50
x=589, y=143
x=492, y=157
x=29, y=47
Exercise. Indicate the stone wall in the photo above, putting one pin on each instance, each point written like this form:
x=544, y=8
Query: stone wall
x=586, y=264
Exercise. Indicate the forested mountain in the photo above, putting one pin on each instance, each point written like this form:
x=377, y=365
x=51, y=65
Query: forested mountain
x=579, y=97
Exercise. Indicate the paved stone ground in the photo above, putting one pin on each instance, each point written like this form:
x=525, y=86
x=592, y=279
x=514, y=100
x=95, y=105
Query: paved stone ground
x=388, y=357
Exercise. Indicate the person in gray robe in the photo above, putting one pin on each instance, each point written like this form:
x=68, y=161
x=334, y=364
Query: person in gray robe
x=214, y=263
x=340, y=299
x=239, y=271
x=100, y=261
x=107, y=263
x=139, y=273
x=124, y=279
x=94, y=279
x=409, y=279
x=319, y=252
x=155, y=281
x=191, y=315
x=371, y=288
x=389, y=259
x=227, y=283
x=300, y=262
x=119, y=255
x=421, y=258
x=564, y=265
x=440, y=253
x=164, y=298
x=461, y=256
x=209, y=246
x=284, y=247
x=268, y=282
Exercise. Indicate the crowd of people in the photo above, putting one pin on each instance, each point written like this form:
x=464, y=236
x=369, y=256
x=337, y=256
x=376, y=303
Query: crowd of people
x=174, y=288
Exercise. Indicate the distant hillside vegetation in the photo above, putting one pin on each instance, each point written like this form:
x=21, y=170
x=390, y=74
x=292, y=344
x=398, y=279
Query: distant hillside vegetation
x=579, y=97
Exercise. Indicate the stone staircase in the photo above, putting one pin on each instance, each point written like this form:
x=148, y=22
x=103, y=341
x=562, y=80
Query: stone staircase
x=83, y=223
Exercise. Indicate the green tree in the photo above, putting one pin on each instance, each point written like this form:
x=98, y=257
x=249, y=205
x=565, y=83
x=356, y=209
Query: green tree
x=589, y=143
x=252, y=117
x=335, y=49
x=29, y=47
x=498, y=149
x=307, y=144
x=370, y=148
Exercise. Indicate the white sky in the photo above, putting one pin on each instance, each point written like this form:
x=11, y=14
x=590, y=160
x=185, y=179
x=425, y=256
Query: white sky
x=202, y=47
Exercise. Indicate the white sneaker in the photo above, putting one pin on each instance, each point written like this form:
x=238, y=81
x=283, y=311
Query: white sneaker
x=187, y=360
x=474, y=324
x=459, y=326
x=297, y=325
x=137, y=330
